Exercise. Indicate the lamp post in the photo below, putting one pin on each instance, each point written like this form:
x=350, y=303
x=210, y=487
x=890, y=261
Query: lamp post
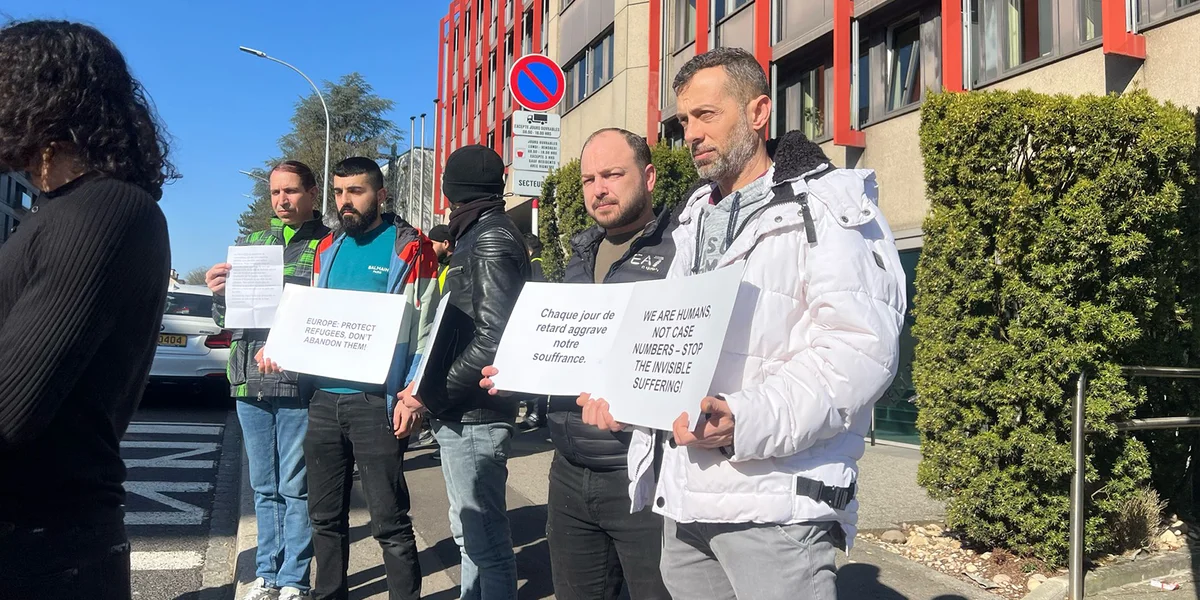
x=321, y=97
x=254, y=175
x=437, y=115
x=421, y=175
x=411, y=145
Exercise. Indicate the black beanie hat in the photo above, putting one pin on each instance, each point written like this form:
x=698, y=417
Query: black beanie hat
x=440, y=233
x=473, y=172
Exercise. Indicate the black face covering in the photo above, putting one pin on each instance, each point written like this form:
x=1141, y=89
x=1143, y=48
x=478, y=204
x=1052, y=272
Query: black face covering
x=465, y=215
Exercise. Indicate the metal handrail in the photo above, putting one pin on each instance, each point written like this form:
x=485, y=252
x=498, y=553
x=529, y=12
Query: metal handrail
x=1079, y=432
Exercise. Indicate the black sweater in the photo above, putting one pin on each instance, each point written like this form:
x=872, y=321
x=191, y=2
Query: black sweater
x=82, y=288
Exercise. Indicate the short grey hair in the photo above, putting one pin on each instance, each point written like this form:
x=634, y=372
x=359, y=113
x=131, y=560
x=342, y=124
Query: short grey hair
x=641, y=150
x=747, y=80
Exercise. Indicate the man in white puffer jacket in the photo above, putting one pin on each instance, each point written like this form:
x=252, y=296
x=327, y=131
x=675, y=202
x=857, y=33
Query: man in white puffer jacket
x=759, y=497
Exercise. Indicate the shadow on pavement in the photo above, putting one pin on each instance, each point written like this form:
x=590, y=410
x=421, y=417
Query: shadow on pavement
x=861, y=582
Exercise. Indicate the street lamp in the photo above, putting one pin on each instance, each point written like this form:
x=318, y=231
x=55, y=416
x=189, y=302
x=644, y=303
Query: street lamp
x=321, y=97
x=255, y=175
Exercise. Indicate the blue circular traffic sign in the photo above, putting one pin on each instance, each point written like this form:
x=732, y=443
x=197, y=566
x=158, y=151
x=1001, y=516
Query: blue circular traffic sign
x=536, y=82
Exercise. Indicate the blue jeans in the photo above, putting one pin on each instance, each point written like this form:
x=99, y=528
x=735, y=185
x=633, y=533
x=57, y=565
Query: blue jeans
x=475, y=465
x=273, y=430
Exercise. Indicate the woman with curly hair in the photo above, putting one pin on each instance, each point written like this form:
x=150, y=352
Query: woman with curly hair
x=82, y=288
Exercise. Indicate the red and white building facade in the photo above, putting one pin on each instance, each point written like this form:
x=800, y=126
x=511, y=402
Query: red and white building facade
x=851, y=74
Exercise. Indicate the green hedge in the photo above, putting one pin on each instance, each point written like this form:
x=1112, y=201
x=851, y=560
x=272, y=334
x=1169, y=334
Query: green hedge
x=1062, y=233
x=561, y=212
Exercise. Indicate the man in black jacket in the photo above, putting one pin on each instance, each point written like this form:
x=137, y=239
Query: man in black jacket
x=589, y=520
x=474, y=429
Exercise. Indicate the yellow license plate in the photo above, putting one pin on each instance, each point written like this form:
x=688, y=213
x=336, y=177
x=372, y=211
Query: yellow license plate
x=170, y=339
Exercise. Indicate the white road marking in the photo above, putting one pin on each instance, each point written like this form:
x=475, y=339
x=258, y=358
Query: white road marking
x=165, y=561
x=174, y=428
x=184, y=513
x=172, y=461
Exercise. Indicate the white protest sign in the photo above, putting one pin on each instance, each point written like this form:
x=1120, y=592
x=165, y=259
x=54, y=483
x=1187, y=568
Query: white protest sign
x=340, y=334
x=254, y=287
x=557, y=336
x=662, y=361
x=433, y=333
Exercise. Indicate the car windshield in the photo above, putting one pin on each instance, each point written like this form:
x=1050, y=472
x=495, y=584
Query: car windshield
x=191, y=305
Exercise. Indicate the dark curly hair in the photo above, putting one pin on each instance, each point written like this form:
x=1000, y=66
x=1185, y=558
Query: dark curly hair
x=63, y=82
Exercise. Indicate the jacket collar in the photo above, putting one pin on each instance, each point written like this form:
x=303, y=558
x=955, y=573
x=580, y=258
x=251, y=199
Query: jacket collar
x=586, y=241
x=795, y=158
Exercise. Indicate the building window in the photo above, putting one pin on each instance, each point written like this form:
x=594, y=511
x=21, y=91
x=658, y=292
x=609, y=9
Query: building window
x=491, y=139
x=545, y=23
x=478, y=83
x=904, y=65
x=508, y=141
x=1006, y=34
x=527, y=35
x=685, y=22
x=804, y=103
x=589, y=71
x=864, y=88
x=672, y=132
x=1091, y=17
x=896, y=411
x=724, y=8
x=492, y=62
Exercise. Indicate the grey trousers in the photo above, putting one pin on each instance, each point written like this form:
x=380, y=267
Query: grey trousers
x=750, y=561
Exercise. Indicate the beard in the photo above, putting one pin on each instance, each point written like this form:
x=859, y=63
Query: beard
x=727, y=165
x=625, y=216
x=356, y=223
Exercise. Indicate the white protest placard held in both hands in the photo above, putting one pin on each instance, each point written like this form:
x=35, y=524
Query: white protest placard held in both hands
x=340, y=334
x=254, y=286
x=558, y=335
x=663, y=359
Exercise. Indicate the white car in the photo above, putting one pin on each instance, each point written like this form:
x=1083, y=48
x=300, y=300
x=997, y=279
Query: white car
x=192, y=350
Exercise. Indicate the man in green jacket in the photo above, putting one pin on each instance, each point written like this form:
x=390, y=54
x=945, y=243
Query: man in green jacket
x=273, y=416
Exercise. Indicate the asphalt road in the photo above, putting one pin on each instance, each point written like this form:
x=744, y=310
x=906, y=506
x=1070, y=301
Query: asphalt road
x=173, y=453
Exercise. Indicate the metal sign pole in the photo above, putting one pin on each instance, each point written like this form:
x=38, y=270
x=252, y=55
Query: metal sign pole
x=1075, y=584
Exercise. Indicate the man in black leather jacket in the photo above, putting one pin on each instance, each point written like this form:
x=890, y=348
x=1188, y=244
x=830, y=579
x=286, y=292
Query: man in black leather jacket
x=589, y=519
x=474, y=429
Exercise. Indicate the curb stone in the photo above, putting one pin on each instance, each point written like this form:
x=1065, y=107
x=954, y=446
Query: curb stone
x=247, y=533
x=885, y=559
x=1115, y=576
x=218, y=572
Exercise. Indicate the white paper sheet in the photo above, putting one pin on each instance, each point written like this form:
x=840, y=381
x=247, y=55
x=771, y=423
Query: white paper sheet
x=336, y=333
x=648, y=348
x=429, y=342
x=254, y=286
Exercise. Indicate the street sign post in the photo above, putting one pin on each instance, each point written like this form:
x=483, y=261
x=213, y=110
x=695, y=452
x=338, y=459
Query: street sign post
x=535, y=154
x=536, y=124
x=528, y=183
x=536, y=82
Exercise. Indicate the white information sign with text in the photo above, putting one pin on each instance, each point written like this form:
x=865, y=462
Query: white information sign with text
x=536, y=124
x=535, y=153
x=336, y=333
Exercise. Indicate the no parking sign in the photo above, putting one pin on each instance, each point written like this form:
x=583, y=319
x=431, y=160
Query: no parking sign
x=536, y=82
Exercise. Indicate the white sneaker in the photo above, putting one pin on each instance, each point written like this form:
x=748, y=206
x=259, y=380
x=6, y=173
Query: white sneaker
x=259, y=591
x=291, y=593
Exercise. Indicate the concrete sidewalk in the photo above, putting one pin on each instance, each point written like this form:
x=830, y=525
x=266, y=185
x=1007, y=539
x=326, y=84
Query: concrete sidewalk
x=888, y=495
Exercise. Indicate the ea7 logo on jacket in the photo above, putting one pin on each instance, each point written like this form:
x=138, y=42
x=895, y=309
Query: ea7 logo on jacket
x=648, y=262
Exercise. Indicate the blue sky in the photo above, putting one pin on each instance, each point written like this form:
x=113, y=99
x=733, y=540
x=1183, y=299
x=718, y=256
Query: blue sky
x=225, y=109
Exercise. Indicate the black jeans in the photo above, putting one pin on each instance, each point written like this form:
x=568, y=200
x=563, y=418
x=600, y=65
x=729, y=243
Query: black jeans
x=342, y=430
x=595, y=543
x=61, y=563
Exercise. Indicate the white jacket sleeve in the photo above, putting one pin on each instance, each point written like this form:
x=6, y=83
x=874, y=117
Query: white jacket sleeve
x=847, y=354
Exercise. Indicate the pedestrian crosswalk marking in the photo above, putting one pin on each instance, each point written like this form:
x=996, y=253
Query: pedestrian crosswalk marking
x=172, y=461
x=184, y=513
x=165, y=561
x=153, y=427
